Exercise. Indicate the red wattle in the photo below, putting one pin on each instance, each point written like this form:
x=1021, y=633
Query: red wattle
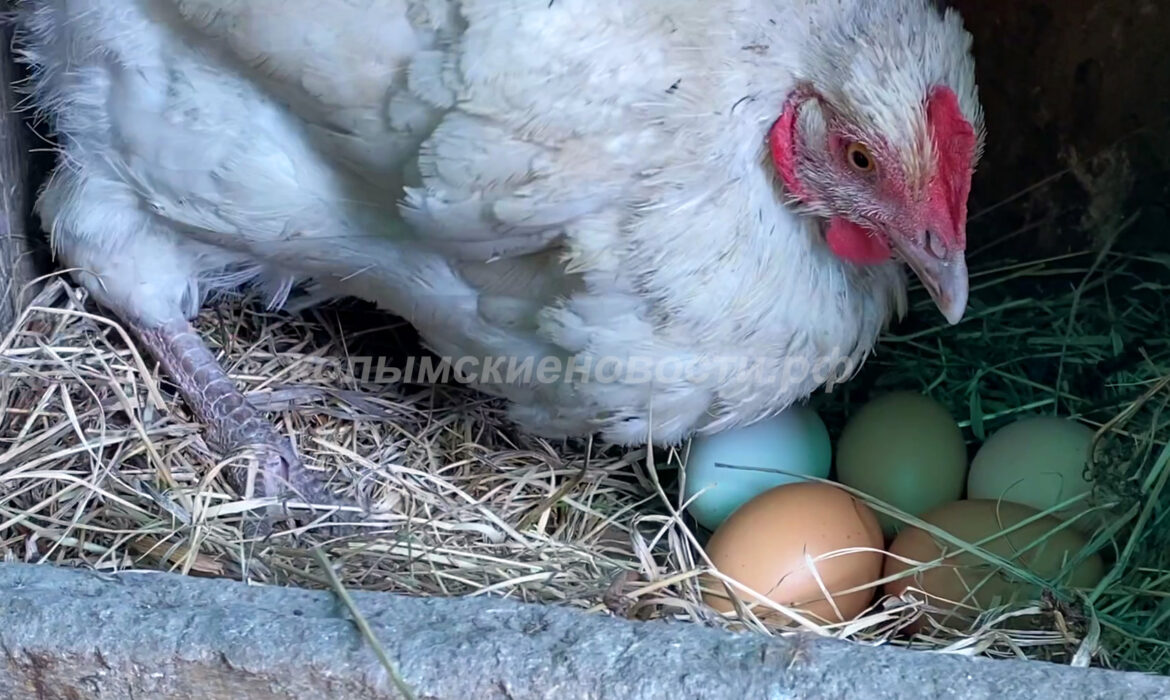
x=858, y=245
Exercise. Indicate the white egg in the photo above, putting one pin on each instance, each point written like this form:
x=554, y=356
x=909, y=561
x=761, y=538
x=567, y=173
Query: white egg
x=732, y=467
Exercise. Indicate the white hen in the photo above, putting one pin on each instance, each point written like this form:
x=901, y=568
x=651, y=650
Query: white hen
x=654, y=189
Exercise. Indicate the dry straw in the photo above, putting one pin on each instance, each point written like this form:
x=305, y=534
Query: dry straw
x=102, y=467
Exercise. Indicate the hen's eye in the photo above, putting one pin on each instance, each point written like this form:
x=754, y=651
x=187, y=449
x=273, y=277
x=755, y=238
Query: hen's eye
x=859, y=157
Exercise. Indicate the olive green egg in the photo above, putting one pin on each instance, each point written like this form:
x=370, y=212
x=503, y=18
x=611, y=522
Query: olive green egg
x=904, y=449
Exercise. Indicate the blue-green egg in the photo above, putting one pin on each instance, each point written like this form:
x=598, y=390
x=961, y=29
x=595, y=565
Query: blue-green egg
x=732, y=467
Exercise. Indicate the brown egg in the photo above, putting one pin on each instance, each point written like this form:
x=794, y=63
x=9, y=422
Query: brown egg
x=764, y=543
x=963, y=577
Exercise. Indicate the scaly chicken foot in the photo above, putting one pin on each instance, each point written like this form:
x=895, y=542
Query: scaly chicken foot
x=232, y=422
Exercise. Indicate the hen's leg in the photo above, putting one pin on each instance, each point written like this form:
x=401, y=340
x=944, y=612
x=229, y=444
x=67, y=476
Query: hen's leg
x=135, y=265
x=232, y=422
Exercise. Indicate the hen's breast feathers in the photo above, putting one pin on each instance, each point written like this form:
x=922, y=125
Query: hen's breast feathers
x=581, y=180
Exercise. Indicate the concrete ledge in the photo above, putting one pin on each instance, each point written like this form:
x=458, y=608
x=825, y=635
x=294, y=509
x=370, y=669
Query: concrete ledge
x=74, y=635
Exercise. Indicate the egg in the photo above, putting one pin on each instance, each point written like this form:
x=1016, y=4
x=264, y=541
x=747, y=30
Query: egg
x=906, y=450
x=764, y=545
x=965, y=578
x=728, y=469
x=1039, y=462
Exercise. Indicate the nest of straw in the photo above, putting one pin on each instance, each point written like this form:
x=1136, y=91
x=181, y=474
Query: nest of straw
x=101, y=466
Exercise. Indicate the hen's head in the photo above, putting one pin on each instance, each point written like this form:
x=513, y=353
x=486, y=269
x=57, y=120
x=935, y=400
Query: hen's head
x=881, y=137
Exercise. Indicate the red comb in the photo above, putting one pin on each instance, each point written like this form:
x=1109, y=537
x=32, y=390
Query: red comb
x=782, y=143
x=954, y=143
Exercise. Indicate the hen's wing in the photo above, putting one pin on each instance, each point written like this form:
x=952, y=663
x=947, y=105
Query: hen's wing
x=431, y=102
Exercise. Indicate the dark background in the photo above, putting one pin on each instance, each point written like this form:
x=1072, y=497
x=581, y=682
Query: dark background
x=1072, y=83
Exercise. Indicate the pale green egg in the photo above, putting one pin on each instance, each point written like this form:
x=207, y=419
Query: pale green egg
x=905, y=450
x=1036, y=461
x=732, y=467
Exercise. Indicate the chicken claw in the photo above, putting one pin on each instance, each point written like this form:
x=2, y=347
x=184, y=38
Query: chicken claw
x=232, y=422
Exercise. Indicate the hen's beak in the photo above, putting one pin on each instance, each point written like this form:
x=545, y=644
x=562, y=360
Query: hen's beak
x=943, y=272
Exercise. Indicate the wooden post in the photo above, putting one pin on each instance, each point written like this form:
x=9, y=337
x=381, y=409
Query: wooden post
x=16, y=263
